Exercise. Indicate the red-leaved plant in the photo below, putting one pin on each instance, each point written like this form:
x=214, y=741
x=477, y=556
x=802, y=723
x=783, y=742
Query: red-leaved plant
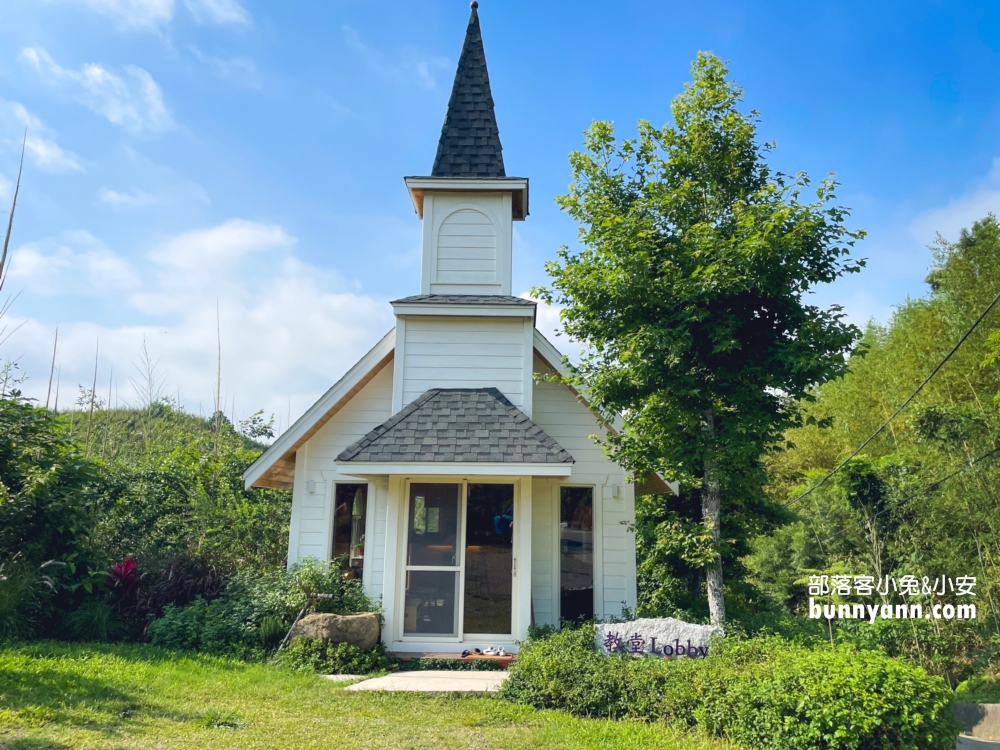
x=122, y=581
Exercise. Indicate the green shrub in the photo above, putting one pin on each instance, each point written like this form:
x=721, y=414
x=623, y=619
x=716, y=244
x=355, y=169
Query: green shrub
x=979, y=689
x=255, y=611
x=282, y=593
x=324, y=657
x=763, y=693
x=94, y=621
x=221, y=626
x=19, y=585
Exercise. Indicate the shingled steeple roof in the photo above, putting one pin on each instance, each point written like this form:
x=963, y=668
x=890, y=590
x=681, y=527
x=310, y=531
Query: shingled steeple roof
x=470, y=140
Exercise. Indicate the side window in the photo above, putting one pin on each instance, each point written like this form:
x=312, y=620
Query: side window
x=350, y=507
x=576, y=553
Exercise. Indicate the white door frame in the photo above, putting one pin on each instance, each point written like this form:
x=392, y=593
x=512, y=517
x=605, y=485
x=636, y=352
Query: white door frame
x=520, y=594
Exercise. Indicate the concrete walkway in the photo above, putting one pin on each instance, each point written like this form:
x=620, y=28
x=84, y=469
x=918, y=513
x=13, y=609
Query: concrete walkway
x=971, y=743
x=435, y=682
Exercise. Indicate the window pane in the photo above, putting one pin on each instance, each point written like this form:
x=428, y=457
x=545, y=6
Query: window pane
x=433, y=524
x=350, y=509
x=576, y=546
x=430, y=602
x=489, y=556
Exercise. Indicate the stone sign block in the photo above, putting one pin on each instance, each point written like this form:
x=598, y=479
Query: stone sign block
x=657, y=637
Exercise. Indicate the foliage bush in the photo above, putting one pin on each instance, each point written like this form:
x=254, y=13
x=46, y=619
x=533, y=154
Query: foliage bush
x=761, y=693
x=93, y=621
x=218, y=627
x=324, y=657
x=979, y=689
x=253, y=613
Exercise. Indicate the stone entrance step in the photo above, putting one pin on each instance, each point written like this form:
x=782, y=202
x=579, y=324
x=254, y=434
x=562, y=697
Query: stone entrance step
x=440, y=682
x=505, y=661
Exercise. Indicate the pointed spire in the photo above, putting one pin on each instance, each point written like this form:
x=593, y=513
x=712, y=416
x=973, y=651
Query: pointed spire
x=470, y=140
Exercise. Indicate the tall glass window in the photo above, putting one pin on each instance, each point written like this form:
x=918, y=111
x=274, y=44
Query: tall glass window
x=576, y=553
x=350, y=509
x=489, y=558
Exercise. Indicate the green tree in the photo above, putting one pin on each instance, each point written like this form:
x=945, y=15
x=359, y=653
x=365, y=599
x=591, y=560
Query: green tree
x=688, y=290
x=49, y=492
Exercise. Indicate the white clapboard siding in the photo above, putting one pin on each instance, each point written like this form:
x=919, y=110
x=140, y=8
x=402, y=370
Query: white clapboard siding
x=558, y=411
x=375, y=539
x=311, y=512
x=544, y=570
x=466, y=249
x=456, y=352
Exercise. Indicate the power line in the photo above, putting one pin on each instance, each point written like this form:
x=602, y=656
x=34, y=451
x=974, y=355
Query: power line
x=929, y=488
x=902, y=406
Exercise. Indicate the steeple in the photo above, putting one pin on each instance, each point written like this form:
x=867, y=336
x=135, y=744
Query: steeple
x=468, y=202
x=470, y=140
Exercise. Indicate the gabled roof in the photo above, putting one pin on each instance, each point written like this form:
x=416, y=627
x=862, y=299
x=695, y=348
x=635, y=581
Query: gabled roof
x=470, y=139
x=457, y=425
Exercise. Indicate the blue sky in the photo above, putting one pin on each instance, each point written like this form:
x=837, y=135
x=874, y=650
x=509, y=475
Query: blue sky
x=184, y=153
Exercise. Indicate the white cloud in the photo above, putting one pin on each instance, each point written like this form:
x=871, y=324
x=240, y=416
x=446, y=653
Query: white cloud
x=134, y=198
x=289, y=329
x=6, y=188
x=39, y=144
x=153, y=15
x=219, y=246
x=961, y=212
x=74, y=263
x=411, y=66
x=134, y=102
x=221, y=12
x=143, y=15
x=238, y=70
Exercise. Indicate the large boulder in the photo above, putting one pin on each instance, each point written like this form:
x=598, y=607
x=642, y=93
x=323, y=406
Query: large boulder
x=659, y=636
x=357, y=630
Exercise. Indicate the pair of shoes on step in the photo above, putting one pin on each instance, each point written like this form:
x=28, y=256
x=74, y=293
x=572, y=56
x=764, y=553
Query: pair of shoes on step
x=494, y=651
x=473, y=652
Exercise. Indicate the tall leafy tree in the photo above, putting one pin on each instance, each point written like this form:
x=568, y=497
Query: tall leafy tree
x=689, y=289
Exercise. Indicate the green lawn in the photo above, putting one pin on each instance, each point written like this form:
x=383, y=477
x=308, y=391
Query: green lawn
x=55, y=695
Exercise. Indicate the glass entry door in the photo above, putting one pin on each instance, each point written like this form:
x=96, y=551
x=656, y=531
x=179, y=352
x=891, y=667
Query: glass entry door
x=433, y=560
x=459, y=560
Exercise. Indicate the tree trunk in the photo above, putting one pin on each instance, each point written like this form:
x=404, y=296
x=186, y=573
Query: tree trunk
x=711, y=509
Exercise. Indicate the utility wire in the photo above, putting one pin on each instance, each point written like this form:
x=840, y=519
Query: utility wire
x=902, y=406
x=929, y=488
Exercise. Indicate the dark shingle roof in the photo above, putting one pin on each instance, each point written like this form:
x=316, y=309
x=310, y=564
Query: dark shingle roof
x=466, y=425
x=470, y=140
x=464, y=299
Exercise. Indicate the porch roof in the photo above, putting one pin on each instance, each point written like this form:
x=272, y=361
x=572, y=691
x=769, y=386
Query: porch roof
x=458, y=426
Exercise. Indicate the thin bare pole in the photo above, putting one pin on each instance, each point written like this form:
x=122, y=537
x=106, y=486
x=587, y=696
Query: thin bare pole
x=52, y=368
x=107, y=416
x=93, y=395
x=58, y=375
x=218, y=379
x=10, y=219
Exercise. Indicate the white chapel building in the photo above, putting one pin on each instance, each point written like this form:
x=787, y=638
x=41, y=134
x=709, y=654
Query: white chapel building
x=466, y=492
